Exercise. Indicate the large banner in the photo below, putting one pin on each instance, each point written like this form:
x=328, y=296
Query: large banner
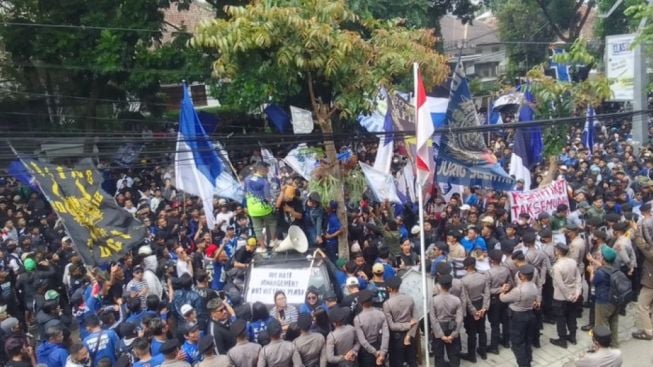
x=620, y=66
x=265, y=282
x=101, y=231
x=463, y=158
x=533, y=202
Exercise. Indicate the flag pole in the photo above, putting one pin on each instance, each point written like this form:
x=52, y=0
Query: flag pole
x=420, y=200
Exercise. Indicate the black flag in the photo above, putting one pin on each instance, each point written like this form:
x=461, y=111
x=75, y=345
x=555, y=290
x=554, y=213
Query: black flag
x=101, y=230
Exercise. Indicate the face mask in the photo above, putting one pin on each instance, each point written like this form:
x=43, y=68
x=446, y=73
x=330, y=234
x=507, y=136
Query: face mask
x=522, y=221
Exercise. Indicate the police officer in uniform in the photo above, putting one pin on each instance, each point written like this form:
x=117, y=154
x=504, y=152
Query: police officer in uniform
x=498, y=275
x=311, y=346
x=477, y=288
x=244, y=353
x=520, y=261
x=279, y=352
x=567, y=288
x=341, y=344
x=446, y=321
x=456, y=285
x=372, y=332
x=523, y=325
x=399, y=310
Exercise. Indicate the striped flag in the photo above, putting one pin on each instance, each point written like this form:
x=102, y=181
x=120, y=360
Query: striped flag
x=424, y=130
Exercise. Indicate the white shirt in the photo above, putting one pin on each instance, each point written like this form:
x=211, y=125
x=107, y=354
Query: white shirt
x=224, y=218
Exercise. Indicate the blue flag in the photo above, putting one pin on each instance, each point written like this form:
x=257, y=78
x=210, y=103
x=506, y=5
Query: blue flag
x=588, y=131
x=534, y=135
x=279, y=118
x=463, y=158
x=18, y=171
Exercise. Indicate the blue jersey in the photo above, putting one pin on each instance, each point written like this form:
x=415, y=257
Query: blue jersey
x=108, y=345
x=191, y=352
x=155, y=347
x=155, y=361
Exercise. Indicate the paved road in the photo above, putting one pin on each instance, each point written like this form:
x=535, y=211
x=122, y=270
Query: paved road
x=636, y=352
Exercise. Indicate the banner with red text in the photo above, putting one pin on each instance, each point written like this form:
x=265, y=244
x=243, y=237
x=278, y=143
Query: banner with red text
x=534, y=202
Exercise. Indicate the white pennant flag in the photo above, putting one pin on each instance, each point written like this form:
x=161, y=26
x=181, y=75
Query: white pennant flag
x=302, y=120
x=302, y=160
x=381, y=183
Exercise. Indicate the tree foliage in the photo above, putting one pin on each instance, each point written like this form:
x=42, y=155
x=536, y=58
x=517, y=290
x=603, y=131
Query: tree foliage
x=557, y=99
x=566, y=17
x=323, y=48
x=618, y=22
x=120, y=54
x=341, y=59
x=520, y=22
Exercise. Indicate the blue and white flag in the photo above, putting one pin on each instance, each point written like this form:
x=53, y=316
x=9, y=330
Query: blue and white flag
x=302, y=160
x=462, y=157
x=226, y=185
x=382, y=184
x=385, y=150
x=561, y=71
x=588, y=131
x=197, y=164
x=374, y=122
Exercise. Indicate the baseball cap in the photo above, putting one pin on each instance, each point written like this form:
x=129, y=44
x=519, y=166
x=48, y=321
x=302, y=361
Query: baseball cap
x=608, y=253
x=30, y=265
x=378, y=268
x=185, y=309
x=51, y=295
x=352, y=282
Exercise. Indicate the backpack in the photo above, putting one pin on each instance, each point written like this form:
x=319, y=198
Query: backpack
x=621, y=288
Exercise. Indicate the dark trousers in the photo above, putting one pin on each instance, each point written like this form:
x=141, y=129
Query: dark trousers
x=565, y=317
x=547, y=298
x=522, y=327
x=592, y=308
x=453, y=349
x=474, y=329
x=498, y=316
x=400, y=353
x=366, y=359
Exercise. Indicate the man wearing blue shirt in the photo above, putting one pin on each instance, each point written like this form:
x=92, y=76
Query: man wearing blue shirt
x=100, y=343
x=141, y=350
x=190, y=349
x=52, y=352
x=472, y=241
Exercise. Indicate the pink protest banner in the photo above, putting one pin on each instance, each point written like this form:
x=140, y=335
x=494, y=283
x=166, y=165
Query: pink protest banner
x=533, y=202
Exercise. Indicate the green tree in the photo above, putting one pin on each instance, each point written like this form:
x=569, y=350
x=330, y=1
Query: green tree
x=49, y=53
x=322, y=47
x=557, y=99
x=566, y=17
x=520, y=22
x=618, y=22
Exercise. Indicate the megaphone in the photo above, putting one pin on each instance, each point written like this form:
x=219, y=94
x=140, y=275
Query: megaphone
x=296, y=240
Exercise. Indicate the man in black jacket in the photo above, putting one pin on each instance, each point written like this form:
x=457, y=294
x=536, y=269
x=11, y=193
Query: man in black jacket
x=221, y=317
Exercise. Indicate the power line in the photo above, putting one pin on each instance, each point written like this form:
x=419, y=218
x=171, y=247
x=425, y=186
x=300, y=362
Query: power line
x=86, y=27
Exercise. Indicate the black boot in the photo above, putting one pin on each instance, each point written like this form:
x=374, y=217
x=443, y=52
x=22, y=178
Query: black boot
x=470, y=357
x=587, y=327
x=559, y=342
x=571, y=339
x=482, y=353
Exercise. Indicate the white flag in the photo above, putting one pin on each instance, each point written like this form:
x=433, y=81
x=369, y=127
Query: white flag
x=302, y=120
x=302, y=160
x=381, y=183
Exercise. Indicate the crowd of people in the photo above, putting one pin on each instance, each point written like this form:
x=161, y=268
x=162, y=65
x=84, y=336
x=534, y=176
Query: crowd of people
x=177, y=299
